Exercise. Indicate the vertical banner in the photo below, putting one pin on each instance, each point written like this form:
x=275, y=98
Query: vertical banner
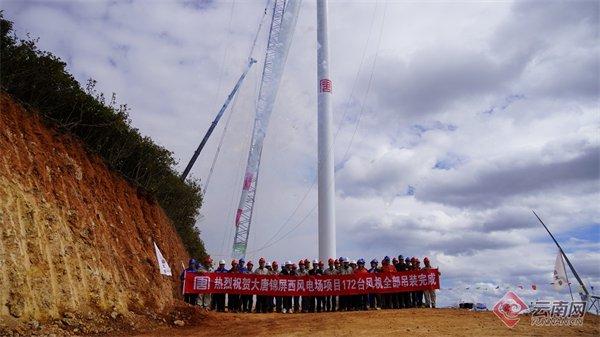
x=162, y=262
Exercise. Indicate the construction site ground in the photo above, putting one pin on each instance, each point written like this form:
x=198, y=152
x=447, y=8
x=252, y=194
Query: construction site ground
x=409, y=322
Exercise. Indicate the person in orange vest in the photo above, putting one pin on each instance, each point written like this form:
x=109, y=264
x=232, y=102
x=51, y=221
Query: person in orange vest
x=362, y=299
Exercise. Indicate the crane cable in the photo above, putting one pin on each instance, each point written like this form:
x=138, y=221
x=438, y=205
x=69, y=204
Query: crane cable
x=216, y=156
x=344, y=157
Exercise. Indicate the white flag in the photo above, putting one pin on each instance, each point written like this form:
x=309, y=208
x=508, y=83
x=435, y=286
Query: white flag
x=162, y=263
x=560, y=276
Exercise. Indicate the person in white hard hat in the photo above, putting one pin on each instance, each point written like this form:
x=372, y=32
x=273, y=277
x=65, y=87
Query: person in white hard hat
x=287, y=300
x=311, y=299
x=344, y=303
x=219, y=299
x=261, y=300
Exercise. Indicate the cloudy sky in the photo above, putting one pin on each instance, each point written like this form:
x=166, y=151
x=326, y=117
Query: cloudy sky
x=453, y=121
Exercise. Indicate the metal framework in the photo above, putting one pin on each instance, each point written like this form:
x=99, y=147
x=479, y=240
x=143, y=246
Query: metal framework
x=283, y=23
x=190, y=164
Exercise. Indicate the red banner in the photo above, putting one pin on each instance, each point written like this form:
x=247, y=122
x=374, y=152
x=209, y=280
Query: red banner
x=320, y=285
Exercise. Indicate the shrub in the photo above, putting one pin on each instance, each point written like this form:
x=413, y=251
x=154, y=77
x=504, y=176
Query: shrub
x=39, y=80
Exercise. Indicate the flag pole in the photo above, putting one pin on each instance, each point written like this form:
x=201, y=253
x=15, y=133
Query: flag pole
x=568, y=283
x=566, y=258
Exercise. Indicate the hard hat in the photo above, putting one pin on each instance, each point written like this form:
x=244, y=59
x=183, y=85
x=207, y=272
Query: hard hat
x=222, y=262
x=361, y=261
x=331, y=261
x=352, y=261
x=261, y=260
x=234, y=261
x=287, y=263
x=315, y=261
x=374, y=261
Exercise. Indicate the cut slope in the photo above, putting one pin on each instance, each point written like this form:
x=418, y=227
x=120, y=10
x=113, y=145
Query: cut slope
x=73, y=235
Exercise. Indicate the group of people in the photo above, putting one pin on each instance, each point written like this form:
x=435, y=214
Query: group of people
x=290, y=304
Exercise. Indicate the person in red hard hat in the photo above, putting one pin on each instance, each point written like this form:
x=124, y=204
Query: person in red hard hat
x=429, y=294
x=233, y=300
x=386, y=268
x=331, y=301
x=417, y=295
x=206, y=299
x=302, y=300
x=278, y=299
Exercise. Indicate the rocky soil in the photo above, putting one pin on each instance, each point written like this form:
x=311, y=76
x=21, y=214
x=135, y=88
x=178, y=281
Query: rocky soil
x=76, y=239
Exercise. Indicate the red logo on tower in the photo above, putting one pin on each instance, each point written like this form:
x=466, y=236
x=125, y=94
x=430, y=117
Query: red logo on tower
x=325, y=85
x=508, y=309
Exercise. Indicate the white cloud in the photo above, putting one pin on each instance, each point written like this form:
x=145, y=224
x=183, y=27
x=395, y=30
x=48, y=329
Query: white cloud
x=486, y=110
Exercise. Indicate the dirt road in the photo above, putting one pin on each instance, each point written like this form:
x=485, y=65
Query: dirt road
x=412, y=322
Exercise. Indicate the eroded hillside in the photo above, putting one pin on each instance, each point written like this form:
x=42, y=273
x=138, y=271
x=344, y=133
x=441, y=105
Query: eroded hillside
x=74, y=236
